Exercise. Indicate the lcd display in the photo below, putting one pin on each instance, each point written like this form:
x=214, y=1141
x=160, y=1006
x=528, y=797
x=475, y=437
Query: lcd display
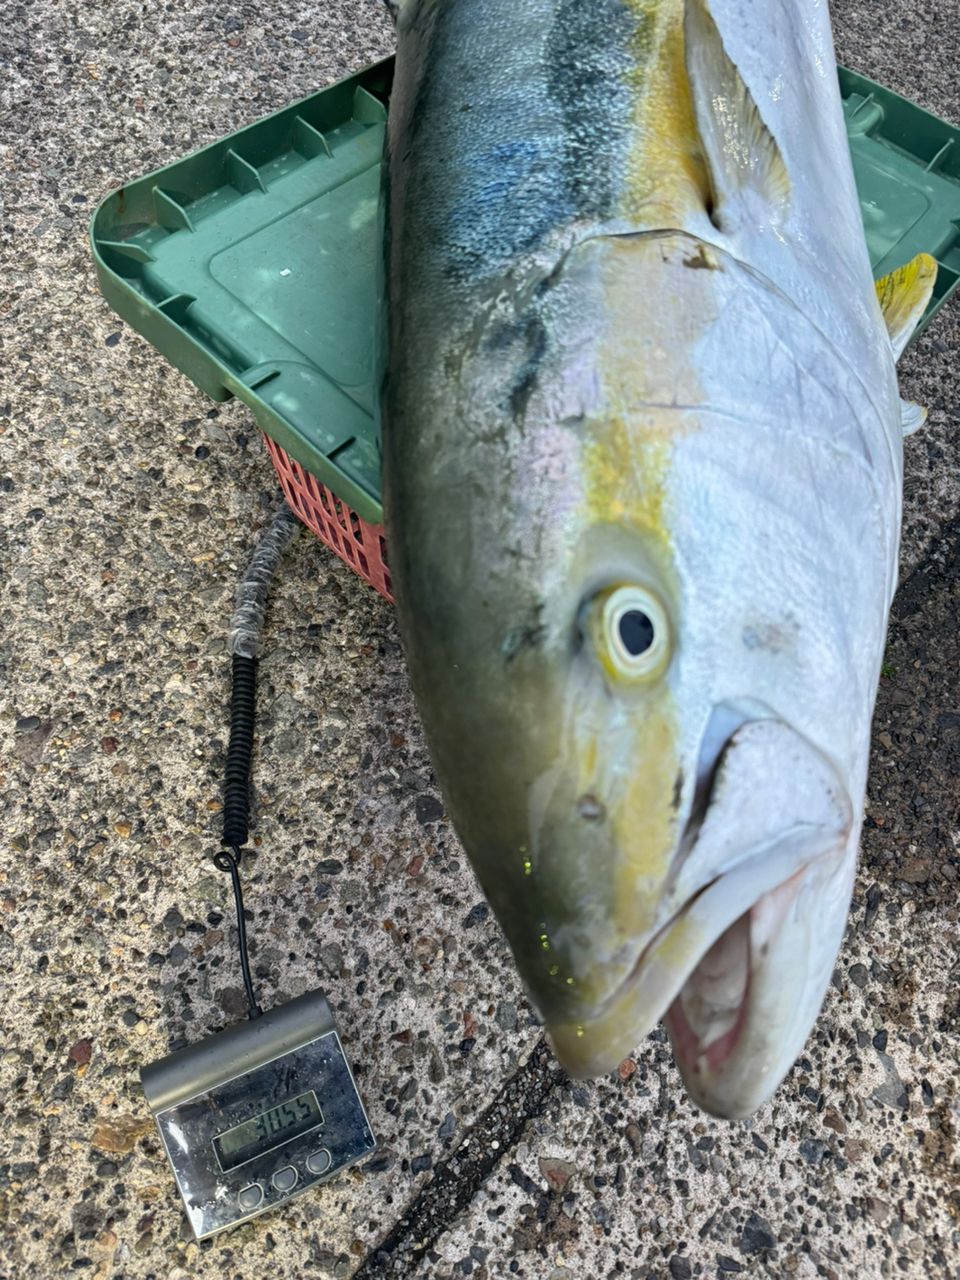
x=267, y=1130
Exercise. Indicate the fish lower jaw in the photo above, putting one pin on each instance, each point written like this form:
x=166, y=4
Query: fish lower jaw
x=714, y=1020
x=712, y=1000
x=707, y=1017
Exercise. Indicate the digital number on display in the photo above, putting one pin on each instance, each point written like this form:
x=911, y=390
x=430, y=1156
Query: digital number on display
x=267, y=1130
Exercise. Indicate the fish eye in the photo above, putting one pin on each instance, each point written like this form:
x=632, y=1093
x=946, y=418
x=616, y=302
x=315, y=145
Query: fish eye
x=630, y=632
x=637, y=632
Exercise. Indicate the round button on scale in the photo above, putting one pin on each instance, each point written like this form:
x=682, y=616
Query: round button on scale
x=250, y=1197
x=319, y=1161
x=285, y=1179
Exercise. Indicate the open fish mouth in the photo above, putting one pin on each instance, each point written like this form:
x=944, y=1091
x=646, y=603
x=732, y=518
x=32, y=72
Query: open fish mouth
x=697, y=969
x=700, y=968
x=708, y=1016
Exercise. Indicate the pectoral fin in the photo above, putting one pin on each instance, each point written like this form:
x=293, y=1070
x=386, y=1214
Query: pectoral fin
x=912, y=417
x=747, y=172
x=904, y=295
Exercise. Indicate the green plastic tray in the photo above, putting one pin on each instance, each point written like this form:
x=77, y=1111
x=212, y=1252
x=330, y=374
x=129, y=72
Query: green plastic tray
x=250, y=265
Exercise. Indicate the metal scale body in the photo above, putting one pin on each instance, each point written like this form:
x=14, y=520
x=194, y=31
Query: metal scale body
x=257, y=1114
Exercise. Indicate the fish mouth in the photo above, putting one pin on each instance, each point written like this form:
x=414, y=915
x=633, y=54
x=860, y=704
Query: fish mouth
x=697, y=970
x=700, y=967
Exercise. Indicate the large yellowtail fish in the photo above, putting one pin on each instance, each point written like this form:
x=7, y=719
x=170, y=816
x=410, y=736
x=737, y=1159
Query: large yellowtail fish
x=643, y=473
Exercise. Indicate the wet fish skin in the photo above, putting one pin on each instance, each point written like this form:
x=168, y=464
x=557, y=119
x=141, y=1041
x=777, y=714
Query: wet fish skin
x=634, y=345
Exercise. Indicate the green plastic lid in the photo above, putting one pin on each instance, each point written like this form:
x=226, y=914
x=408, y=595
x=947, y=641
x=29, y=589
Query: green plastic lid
x=251, y=264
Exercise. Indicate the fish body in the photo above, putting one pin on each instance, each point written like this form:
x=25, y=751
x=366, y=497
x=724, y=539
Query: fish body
x=642, y=477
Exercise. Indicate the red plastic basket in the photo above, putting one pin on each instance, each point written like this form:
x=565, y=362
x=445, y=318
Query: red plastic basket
x=362, y=546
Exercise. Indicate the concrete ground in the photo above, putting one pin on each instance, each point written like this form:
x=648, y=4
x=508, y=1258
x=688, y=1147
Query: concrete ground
x=129, y=503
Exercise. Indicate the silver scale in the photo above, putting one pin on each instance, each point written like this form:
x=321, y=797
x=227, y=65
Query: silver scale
x=258, y=1114
x=261, y=1112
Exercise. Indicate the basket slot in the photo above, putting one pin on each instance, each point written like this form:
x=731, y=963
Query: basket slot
x=867, y=116
x=243, y=175
x=367, y=109
x=309, y=141
x=936, y=163
x=185, y=310
x=947, y=251
x=344, y=444
x=262, y=379
x=177, y=306
x=947, y=277
x=169, y=212
x=127, y=249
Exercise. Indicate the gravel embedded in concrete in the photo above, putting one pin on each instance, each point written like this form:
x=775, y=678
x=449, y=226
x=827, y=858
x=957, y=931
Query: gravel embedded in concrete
x=129, y=506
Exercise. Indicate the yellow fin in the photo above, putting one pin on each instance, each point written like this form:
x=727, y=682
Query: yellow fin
x=903, y=296
x=741, y=154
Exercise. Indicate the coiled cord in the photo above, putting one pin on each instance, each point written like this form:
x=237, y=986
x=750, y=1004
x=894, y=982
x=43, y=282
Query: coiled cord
x=244, y=641
x=236, y=787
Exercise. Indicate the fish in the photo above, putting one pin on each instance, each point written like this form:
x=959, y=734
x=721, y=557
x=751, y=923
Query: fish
x=642, y=469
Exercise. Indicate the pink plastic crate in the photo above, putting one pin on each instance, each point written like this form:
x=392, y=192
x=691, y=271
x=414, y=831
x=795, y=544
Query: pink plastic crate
x=362, y=546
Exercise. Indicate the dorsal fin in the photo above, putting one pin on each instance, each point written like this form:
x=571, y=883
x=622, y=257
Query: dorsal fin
x=744, y=162
x=904, y=295
x=400, y=9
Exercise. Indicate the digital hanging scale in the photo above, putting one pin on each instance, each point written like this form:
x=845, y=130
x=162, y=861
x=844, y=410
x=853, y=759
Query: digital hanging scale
x=260, y=1112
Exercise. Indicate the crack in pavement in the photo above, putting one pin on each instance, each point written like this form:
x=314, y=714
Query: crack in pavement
x=458, y=1178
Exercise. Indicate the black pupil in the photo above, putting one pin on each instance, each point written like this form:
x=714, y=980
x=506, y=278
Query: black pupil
x=636, y=632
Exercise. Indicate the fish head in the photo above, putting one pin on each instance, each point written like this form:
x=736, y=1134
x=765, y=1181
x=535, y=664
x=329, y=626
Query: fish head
x=645, y=660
